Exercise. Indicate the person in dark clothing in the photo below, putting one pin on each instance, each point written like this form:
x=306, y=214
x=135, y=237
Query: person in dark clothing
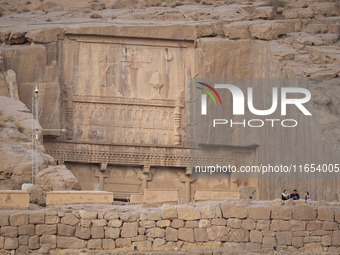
x=306, y=195
x=285, y=195
x=294, y=195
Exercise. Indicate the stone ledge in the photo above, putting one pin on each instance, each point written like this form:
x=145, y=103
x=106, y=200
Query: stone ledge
x=216, y=195
x=78, y=197
x=14, y=199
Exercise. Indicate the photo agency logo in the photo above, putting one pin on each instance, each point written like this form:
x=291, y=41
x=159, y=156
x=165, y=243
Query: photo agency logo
x=288, y=96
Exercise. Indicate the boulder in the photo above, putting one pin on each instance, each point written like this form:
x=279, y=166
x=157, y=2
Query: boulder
x=56, y=178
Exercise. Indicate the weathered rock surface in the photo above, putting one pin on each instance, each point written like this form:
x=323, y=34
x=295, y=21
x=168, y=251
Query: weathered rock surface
x=57, y=178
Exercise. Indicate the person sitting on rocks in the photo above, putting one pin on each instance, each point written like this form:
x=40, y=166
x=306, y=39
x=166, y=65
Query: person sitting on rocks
x=295, y=195
x=285, y=195
x=306, y=195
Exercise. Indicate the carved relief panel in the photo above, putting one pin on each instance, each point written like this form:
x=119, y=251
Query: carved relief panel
x=124, y=93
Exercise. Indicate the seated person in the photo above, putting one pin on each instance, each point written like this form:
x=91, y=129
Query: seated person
x=295, y=195
x=285, y=195
x=306, y=195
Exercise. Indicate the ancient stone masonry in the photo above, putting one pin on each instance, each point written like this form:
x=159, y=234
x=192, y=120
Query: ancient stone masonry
x=120, y=82
x=254, y=227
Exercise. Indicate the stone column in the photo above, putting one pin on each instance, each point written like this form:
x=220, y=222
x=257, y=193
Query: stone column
x=187, y=180
x=101, y=175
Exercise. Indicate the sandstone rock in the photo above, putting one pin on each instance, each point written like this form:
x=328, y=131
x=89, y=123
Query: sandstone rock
x=94, y=244
x=155, y=232
x=326, y=240
x=304, y=212
x=112, y=233
x=16, y=38
x=248, y=224
x=222, y=222
x=255, y=236
x=240, y=235
x=337, y=216
x=267, y=31
x=163, y=223
x=314, y=225
x=269, y=242
x=281, y=213
x=177, y=223
x=330, y=225
x=83, y=233
x=99, y=223
x=98, y=232
x=108, y=244
x=143, y=245
x=129, y=230
x=325, y=214
x=4, y=220
x=139, y=238
x=191, y=224
x=263, y=12
x=154, y=216
x=97, y=6
x=51, y=219
x=200, y=235
x=296, y=225
x=64, y=230
x=88, y=215
x=158, y=242
x=26, y=230
x=218, y=233
x=37, y=218
x=168, y=213
x=313, y=248
x=234, y=211
x=44, y=250
x=33, y=242
x=188, y=213
x=259, y=213
x=129, y=217
x=203, y=223
x=70, y=243
x=115, y=223
x=111, y=216
x=207, y=212
x=18, y=219
x=11, y=243
x=301, y=13
x=297, y=241
x=280, y=225
x=284, y=238
x=237, y=30
x=9, y=231
x=123, y=242
x=234, y=223
x=147, y=224
x=262, y=225
x=69, y=219
x=48, y=240
x=186, y=234
x=57, y=178
x=11, y=82
x=22, y=250
x=171, y=234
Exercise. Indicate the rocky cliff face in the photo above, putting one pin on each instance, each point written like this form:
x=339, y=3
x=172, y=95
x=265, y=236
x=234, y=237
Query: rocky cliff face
x=86, y=56
x=16, y=145
x=18, y=159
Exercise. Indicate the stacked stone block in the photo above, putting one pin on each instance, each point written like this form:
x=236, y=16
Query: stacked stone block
x=253, y=227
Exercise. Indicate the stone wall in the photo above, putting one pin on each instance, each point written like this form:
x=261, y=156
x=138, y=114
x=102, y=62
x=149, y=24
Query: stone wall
x=251, y=226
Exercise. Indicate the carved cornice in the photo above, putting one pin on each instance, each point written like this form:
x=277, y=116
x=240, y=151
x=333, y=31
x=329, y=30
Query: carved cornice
x=137, y=156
